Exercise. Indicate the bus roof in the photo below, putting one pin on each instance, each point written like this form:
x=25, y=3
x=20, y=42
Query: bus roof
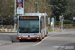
x=36, y=14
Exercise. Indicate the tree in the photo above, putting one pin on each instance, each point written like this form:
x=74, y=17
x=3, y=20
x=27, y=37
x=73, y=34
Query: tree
x=7, y=8
x=58, y=7
x=70, y=10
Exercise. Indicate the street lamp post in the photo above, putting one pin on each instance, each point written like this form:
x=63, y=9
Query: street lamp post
x=14, y=14
x=36, y=6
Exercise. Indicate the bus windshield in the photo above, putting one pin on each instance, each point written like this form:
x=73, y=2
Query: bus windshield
x=28, y=26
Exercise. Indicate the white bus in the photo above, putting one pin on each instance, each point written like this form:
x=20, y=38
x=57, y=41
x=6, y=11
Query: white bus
x=32, y=26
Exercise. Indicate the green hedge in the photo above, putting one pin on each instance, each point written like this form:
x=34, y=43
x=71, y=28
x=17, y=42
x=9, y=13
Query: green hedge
x=68, y=21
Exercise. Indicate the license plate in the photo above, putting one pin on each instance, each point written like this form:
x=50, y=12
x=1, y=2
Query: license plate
x=28, y=38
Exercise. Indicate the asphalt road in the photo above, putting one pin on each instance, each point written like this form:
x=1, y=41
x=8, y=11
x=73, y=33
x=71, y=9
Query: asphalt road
x=54, y=41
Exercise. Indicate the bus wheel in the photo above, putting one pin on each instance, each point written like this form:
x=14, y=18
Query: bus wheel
x=40, y=39
x=21, y=40
x=45, y=35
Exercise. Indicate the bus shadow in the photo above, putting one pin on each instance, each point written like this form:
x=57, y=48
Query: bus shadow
x=29, y=41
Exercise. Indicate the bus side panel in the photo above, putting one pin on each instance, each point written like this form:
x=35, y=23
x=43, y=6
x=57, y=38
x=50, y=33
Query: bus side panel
x=46, y=25
x=42, y=26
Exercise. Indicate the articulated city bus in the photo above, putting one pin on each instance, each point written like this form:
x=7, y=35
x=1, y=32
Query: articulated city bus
x=32, y=26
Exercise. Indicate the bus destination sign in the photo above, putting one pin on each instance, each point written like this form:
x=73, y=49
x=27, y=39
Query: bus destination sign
x=28, y=17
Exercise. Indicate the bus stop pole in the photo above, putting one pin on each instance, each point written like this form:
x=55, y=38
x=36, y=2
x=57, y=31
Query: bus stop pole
x=62, y=23
x=53, y=24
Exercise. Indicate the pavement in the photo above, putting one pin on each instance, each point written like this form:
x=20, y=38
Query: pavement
x=4, y=39
x=54, y=41
x=10, y=37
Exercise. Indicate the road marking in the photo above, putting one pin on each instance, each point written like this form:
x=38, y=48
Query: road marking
x=43, y=40
x=40, y=41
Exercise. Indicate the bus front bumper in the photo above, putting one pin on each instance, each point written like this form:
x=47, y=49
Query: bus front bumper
x=28, y=37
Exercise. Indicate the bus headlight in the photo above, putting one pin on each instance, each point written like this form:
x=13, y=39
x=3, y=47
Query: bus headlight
x=38, y=36
x=19, y=36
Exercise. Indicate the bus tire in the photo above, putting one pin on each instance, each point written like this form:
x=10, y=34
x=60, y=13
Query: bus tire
x=20, y=40
x=45, y=35
x=40, y=39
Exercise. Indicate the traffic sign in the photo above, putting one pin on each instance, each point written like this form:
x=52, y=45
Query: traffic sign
x=14, y=17
x=73, y=18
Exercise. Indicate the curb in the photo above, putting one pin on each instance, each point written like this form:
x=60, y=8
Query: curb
x=5, y=43
x=8, y=32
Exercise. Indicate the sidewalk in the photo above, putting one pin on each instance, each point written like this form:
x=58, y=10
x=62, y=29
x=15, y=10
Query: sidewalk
x=4, y=39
